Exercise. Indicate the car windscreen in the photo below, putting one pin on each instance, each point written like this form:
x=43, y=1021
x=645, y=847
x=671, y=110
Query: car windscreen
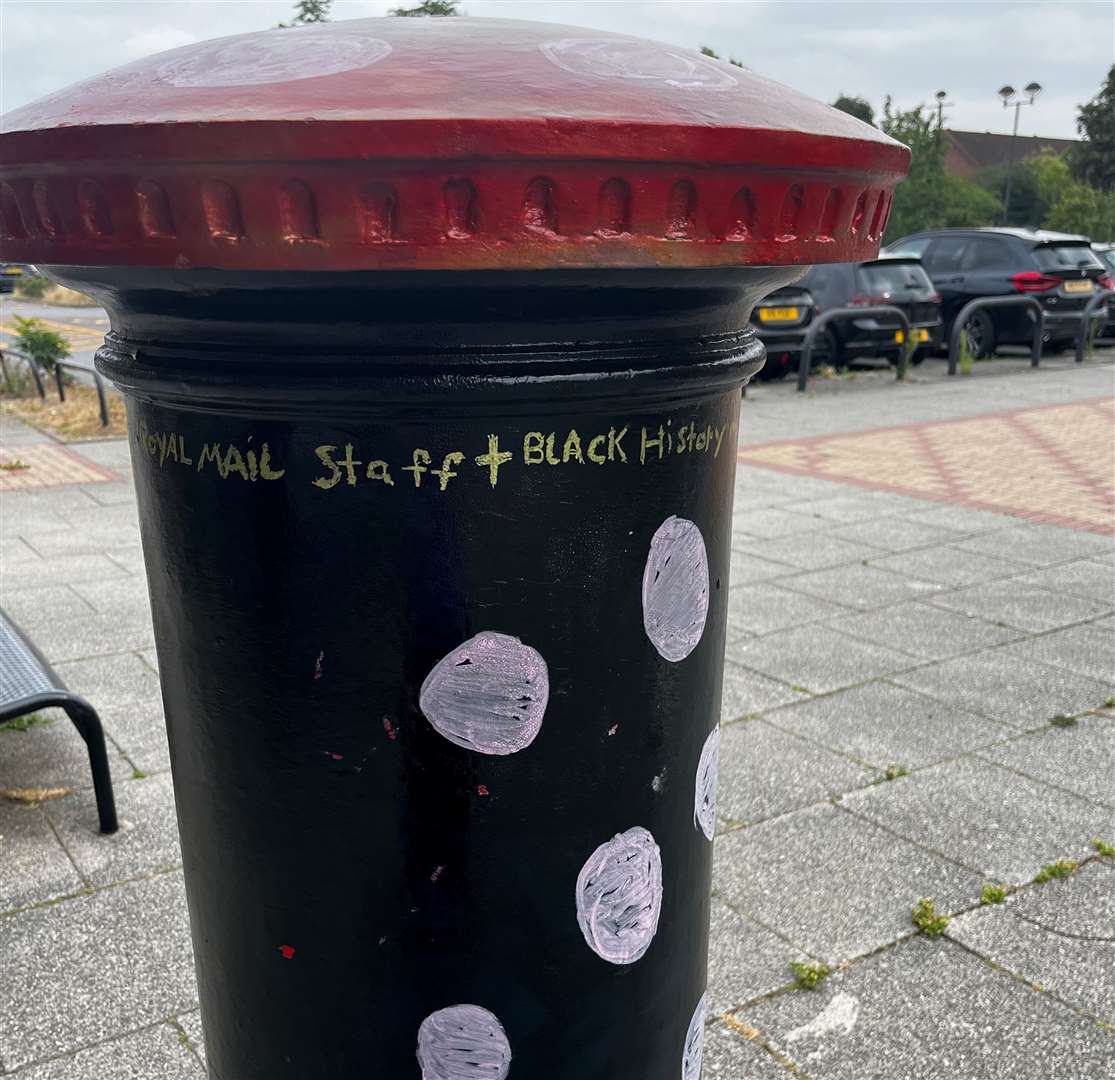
x=882, y=278
x=1066, y=257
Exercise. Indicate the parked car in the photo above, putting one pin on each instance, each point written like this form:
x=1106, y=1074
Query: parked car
x=1106, y=254
x=782, y=318
x=10, y=273
x=1059, y=270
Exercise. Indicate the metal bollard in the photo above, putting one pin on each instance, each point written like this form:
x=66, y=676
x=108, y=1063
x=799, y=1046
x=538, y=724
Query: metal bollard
x=433, y=334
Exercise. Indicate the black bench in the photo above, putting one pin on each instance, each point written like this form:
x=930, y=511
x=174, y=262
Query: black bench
x=27, y=684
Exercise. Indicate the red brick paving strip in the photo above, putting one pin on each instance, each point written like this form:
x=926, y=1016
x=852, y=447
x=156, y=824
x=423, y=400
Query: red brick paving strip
x=47, y=466
x=1050, y=463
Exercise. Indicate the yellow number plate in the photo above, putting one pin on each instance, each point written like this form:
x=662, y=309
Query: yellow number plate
x=1078, y=286
x=15, y=271
x=778, y=314
x=915, y=335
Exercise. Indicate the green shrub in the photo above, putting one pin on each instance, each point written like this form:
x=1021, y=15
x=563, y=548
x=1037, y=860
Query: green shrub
x=45, y=346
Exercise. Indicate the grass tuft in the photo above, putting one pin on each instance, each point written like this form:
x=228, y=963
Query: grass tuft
x=809, y=976
x=1106, y=851
x=1058, y=871
x=992, y=894
x=926, y=919
x=25, y=723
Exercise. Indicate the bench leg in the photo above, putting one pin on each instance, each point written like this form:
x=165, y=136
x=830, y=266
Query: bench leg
x=88, y=724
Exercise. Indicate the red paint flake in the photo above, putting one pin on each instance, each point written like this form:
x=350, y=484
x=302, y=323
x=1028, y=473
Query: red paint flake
x=613, y=729
x=317, y=665
x=287, y=951
x=392, y=734
x=436, y=874
x=337, y=757
x=482, y=789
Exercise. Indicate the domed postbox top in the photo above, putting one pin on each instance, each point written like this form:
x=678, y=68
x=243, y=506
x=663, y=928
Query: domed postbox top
x=454, y=143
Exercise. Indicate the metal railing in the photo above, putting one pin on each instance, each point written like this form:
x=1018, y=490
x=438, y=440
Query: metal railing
x=1086, y=317
x=997, y=301
x=59, y=378
x=815, y=328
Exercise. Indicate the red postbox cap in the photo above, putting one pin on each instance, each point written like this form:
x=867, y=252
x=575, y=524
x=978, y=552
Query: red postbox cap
x=454, y=143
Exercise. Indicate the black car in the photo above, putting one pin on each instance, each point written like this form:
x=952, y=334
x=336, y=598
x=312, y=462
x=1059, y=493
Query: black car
x=10, y=273
x=1059, y=270
x=1106, y=253
x=783, y=317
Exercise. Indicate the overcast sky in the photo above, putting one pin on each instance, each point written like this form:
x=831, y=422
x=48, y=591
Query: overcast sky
x=907, y=48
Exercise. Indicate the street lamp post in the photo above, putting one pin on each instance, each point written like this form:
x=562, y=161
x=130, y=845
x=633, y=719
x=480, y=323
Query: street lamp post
x=1011, y=98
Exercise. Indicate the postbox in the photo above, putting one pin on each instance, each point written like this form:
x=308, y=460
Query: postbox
x=432, y=333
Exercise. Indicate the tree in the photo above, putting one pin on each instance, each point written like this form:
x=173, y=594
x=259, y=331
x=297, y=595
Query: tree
x=1093, y=160
x=930, y=199
x=709, y=51
x=1028, y=203
x=308, y=11
x=858, y=107
x=436, y=8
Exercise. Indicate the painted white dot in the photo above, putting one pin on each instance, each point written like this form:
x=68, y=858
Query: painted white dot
x=619, y=58
x=676, y=588
x=488, y=695
x=695, y=1042
x=704, y=801
x=463, y=1042
x=302, y=52
x=619, y=896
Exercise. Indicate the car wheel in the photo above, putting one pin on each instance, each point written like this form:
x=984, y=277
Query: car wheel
x=828, y=349
x=980, y=331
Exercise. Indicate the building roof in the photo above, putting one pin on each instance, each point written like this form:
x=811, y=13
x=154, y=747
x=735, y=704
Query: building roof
x=970, y=152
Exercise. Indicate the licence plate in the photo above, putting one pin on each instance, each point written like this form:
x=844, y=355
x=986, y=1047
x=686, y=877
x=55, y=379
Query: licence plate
x=778, y=314
x=1078, y=286
x=13, y=270
x=917, y=336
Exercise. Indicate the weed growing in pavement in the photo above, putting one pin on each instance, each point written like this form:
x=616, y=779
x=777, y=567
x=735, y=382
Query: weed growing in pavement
x=1109, y=703
x=1106, y=851
x=1062, y=721
x=14, y=466
x=1058, y=870
x=25, y=723
x=992, y=894
x=138, y=774
x=891, y=772
x=809, y=976
x=926, y=919
x=965, y=357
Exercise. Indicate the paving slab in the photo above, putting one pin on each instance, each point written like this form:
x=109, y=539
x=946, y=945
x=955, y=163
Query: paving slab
x=139, y=732
x=33, y=865
x=155, y=1053
x=817, y=658
x=882, y=724
x=111, y=681
x=1086, y=650
x=126, y=598
x=762, y=608
x=947, y=565
x=835, y=884
x=1060, y=935
x=1006, y=687
x=1090, y=578
x=928, y=1010
x=745, y=960
x=52, y=754
x=962, y=519
x=765, y=771
x=895, y=533
x=749, y=567
x=1039, y=545
x=1000, y=824
x=747, y=692
x=729, y=1055
x=97, y=634
x=859, y=586
x=44, y=607
x=808, y=551
x=775, y=521
x=61, y=570
x=924, y=630
x=1080, y=759
x=845, y=508
x=1023, y=606
x=147, y=840
x=93, y=968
